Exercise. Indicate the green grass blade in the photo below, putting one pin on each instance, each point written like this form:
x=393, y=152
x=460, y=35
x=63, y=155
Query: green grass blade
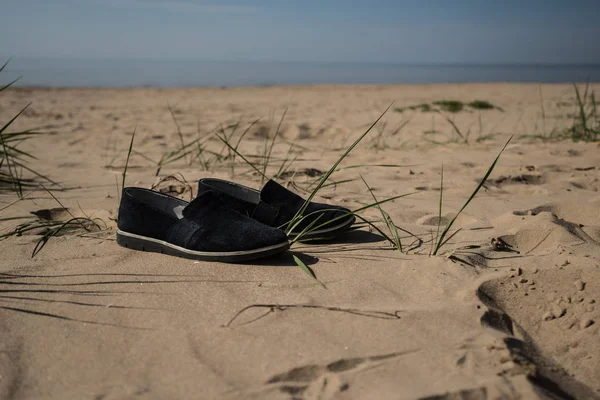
x=14, y=118
x=344, y=215
x=386, y=217
x=128, y=155
x=307, y=228
x=372, y=225
x=449, y=225
x=439, y=222
x=10, y=171
x=335, y=183
x=306, y=269
x=367, y=223
x=335, y=165
x=13, y=174
x=451, y=236
x=5, y=64
x=10, y=84
x=394, y=230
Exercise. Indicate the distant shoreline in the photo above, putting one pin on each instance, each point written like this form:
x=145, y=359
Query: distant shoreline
x=307, y=86
x=13, y=59
x=192, y=73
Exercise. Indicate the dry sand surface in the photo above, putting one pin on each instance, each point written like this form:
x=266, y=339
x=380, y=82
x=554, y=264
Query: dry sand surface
x=509, y=308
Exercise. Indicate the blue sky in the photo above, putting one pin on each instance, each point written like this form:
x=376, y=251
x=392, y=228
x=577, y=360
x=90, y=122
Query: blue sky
x=403, y=31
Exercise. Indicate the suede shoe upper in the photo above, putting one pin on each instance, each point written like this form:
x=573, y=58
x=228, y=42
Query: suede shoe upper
x=274, y=205
x=206, y=224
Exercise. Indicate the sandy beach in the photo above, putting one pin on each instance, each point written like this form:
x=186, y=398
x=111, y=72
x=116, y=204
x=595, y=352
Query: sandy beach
x=507, y=309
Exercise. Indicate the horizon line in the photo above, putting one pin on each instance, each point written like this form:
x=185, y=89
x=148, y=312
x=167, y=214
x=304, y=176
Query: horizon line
x=13, y=59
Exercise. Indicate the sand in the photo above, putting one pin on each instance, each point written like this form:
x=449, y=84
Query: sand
x=507, y=309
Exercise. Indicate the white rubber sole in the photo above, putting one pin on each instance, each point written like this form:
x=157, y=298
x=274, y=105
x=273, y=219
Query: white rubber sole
x=144, y=243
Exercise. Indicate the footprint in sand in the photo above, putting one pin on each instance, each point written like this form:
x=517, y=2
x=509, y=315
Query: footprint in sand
x=324, y=381
x=552, y=308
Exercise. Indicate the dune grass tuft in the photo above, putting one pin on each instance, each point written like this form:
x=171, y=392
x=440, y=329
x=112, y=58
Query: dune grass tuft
x=424, y=107
x=451, y=106
x=47, y=227
x=442, y=239
x=13, y=160
x=586, y=123
x=481, y=105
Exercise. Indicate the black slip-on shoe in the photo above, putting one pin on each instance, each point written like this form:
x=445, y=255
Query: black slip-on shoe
x=275, y=206
x=205, y=229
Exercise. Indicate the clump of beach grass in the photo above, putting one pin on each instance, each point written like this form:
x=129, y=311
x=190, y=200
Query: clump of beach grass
x=47, y=227
x=262, y=164
x=378, y=141
x=300, y=216
x=13, y=160
x=444, y=237
x=481, y=105
x=451, y=106
x=586, y=123
x=424, y=107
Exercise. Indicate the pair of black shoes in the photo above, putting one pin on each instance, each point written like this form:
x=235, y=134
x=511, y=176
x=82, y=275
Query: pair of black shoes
x=226, y=221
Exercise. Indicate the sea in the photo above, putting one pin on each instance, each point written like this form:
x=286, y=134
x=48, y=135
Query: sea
x=67, y=72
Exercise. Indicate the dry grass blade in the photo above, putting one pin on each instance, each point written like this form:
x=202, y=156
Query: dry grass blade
x=465, y=138
x=176, y=125
x=17, y=200
x=49, y=228
x=226, y=142
x=287, y=161
x=269, y=149
x=74, y=223
x=183, y=152
x=59, y=202
x=239, y=141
